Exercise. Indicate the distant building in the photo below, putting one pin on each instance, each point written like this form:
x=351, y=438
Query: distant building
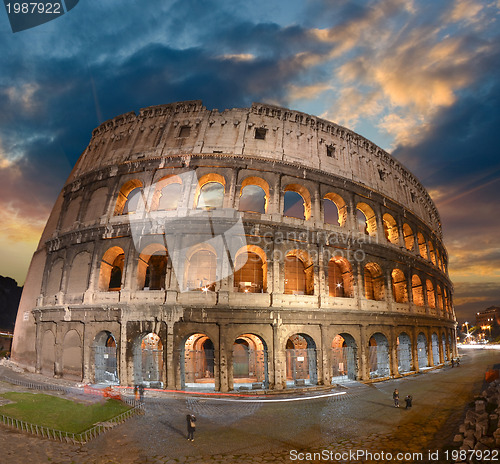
x=489, y=321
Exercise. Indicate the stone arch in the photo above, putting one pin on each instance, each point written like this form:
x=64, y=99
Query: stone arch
x=250, y=274
x=254, y=195
x=129, y=197
x=334, y=209
x=71, y=214
x=148, y=360
x=201, y=268
x=404, y=353
x=422, y=246
x=111, y=270
x=292, y=207
x=299, y=274
x=72, y=366
x=409, y=237
x=97, y=204
x=210, y=191
x=250, y=361
x=167, y=193
x=445, y=351
x=197, y=363
x=55, y=277
x=48, y=353
x=399, y=287
x=390, y=229
x=344, y=358
x=435, y=349
x=301, y=365
x=439, y=293
x=374, y=282
x=431, y=296
x=367, y=222
x=417, y=290
x=79, y=273
x=152, y=267
x=340, y=278
x=432, y=255
x=378, y=347
x=105, y=358
x=423, y=360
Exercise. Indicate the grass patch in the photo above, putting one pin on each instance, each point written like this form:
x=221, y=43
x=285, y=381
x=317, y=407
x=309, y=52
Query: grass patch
x=59, y=413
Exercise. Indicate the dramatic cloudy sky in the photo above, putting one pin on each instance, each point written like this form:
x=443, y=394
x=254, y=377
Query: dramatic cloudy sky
x=419, y=78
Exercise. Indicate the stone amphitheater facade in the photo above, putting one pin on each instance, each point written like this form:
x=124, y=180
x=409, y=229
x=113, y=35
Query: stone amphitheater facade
x=250, y=248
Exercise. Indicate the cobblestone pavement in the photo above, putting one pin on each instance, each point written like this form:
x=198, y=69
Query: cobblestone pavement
x=231, y=430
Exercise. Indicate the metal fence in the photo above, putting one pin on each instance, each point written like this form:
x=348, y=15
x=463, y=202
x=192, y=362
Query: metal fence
x=77, y=438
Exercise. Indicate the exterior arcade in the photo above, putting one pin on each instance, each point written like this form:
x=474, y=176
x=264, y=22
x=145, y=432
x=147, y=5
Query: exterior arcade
x=249, y=248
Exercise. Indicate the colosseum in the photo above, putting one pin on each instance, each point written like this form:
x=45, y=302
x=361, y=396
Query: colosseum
x=253, y=248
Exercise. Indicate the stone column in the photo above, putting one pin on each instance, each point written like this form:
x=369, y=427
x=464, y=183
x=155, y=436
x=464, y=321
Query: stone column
x=326, y=371
x=394, y=353
x=414, y=349
x=364, y=355
x=224, y=359
x=279, y=359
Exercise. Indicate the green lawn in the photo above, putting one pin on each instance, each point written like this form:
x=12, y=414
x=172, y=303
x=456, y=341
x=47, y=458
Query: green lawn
x=59, y=413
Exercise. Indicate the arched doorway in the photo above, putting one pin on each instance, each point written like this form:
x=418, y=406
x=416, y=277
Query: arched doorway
x=198, y=363
x=445, y=353
x=301, y=361
x=423, y=360
x=344, y=357
x=250, y=362
x=404, y=353
x=105, y=365
x=379, y=355
x=435, y=349
x=148, y=361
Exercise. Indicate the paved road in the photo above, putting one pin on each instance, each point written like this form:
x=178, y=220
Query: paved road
x=250, y=432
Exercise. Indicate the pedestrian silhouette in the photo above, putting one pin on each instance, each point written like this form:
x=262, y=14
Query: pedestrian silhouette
x=408, y=401
x=395, y=397
x=191, y=426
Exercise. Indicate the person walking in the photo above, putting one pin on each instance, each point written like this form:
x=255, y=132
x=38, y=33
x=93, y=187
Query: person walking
x=191, y=426
x=395, y=397
x=408, y=401
x=452, y=362
x=141, y=393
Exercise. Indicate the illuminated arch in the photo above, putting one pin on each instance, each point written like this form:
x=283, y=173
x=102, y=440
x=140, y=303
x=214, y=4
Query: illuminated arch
x=290, y=210
x=152, y=267
x=111, y=271
x=417, y=290
x=251, y=270
x=399, y=288
x=390, y=229
x=409, y=237
x=334, y=208
x=340, y=280
x=422, y=246
x=431, y=296
x=129, y=197
x=374, y=282
x=299, y=275
x=201, y=268
x=254, y=195
x=210, y=191
x=367, y=223
x=167, y=193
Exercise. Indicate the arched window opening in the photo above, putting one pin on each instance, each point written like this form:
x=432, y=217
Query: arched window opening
x=344, y=358
x=301, y=364
x=169, y=197
x=417, y=290
x=340, y=281
x=390, y=229
x=440, y=297
x=198, y=362
x=250, y=361
x=367, y=222
x=399, y=290
x=129, y=198
x=250, y=276
x=423, y=360
x=378, y=348
x=202, y=271
x=298, y=276
x=404, y=353
x=432, y=255
x=253, y=199
x=408, y=236
x=211, y=196
x=431, y=297
x=294, y=205
x=105, y=358
x=152, y=267
x=334, y=208
x=111, y=271
x=422, y=246
x=297, y=202
x=374, y=282
x=148, y=361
